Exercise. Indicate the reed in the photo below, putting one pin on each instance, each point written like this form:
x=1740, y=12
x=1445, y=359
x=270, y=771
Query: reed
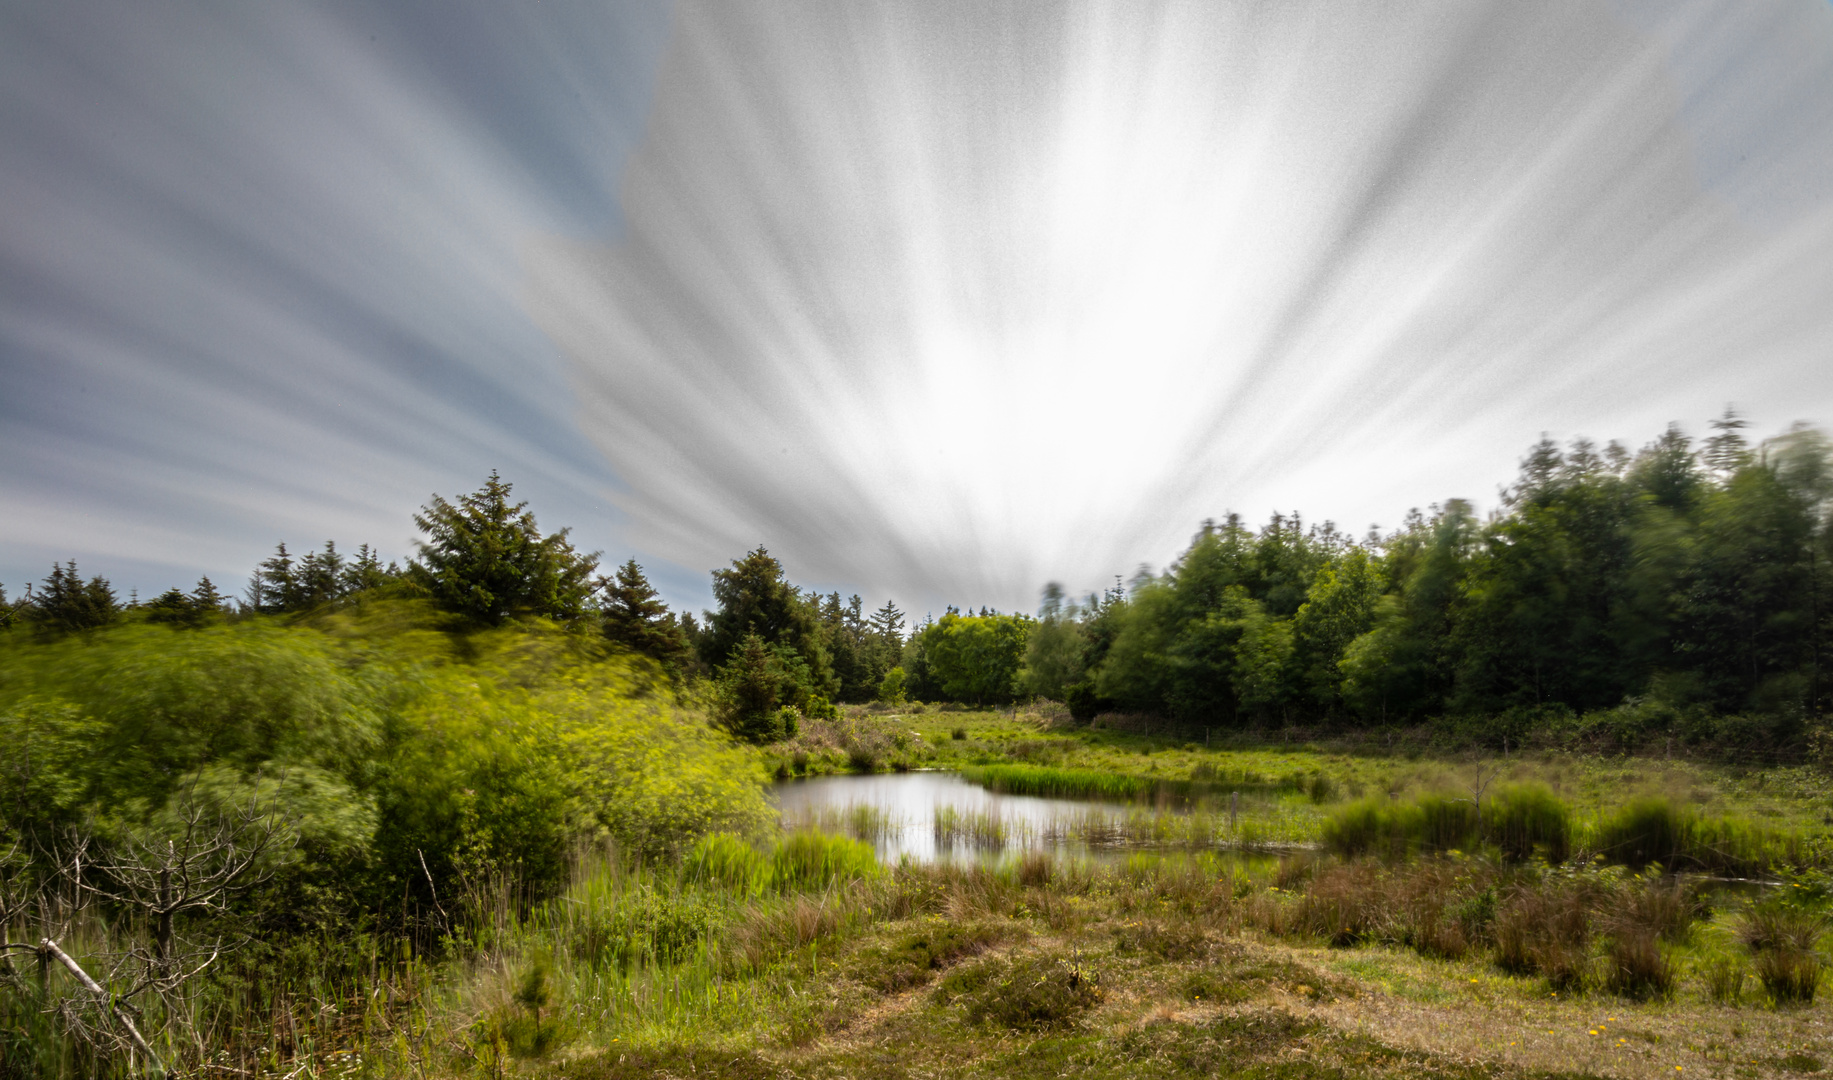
x=979, y=827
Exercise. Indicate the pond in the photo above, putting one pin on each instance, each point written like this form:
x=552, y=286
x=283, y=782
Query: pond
x=938, y=816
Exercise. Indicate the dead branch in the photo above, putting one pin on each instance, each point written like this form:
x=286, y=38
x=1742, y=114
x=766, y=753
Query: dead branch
x=108, y=1001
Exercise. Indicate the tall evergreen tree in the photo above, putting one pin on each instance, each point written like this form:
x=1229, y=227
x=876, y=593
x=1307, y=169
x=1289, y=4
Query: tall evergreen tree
x=755, y=598
x=636, y=618
x=320, y=578
x=274, y=586
x=68, y=604
x=486, y=558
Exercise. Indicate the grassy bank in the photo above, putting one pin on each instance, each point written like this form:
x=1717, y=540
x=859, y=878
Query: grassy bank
x=803, y=957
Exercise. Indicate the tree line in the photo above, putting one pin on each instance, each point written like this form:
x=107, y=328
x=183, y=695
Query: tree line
x=1677, y=579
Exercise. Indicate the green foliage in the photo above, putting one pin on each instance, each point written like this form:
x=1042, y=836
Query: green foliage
x=756, y=600
x=67, y=604
x=802, y=861
x=976, y=657
x=892, y=688
x=154, y=707
x=764, y=690
x=1055, y=650
x=197, y=608
x=642, y=925
x=815, y=860
x=485, y=558
x=729, y=862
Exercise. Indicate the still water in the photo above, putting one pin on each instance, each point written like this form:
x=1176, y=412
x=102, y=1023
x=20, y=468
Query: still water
x=931, y=816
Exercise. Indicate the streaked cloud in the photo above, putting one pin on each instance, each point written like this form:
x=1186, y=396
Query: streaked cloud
x=957, y=297
x=938, y=300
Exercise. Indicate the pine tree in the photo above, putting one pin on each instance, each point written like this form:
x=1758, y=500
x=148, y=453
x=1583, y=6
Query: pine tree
x=751, y=690
x=888, y=625
x=486, y=558
x=364, y=571
x=320, y=578
x=636, y=618
x=205, y=599
x=67, y=604
x=274, y=586
x=1726, y=452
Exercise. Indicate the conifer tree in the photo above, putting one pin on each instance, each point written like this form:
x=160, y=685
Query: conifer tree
x=486, y=558
x=888, y=625
x=636, y=618
x=67, y=603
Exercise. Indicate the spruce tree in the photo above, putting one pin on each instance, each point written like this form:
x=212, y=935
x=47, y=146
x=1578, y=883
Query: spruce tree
x=485, y=557
x=636, y=618
x=67, y=603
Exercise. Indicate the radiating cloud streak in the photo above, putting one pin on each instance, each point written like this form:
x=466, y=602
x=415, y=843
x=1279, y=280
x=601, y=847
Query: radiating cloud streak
x=954, y=297
x=938, y=299
x=259, y=269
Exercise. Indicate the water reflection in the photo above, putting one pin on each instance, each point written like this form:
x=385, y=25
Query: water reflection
x=931, y=816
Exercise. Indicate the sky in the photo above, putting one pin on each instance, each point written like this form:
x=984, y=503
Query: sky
x=938, y=301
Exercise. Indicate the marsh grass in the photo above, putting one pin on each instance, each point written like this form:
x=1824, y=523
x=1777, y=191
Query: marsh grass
x=981, y=827
x=1206, y=781
x=1782, y=941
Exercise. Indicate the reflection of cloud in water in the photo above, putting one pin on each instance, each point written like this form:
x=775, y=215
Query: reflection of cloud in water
x=931, y=816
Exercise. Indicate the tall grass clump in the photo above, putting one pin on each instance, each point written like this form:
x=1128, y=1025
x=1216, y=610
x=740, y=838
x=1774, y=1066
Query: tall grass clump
x=1644, y=831
x=1654, y=830
x=981, y=827
x=1361, y=828
x=803, y=860
x=1783, y=941
x=1049, y=781
x=1545, y=929
x=1523, y=820
x=727, y=862
x=813, y=860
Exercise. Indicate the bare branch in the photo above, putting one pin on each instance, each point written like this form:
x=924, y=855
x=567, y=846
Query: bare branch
x=49, y=948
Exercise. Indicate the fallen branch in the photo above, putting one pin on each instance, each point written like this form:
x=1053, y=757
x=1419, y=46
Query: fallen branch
x=49, y=948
